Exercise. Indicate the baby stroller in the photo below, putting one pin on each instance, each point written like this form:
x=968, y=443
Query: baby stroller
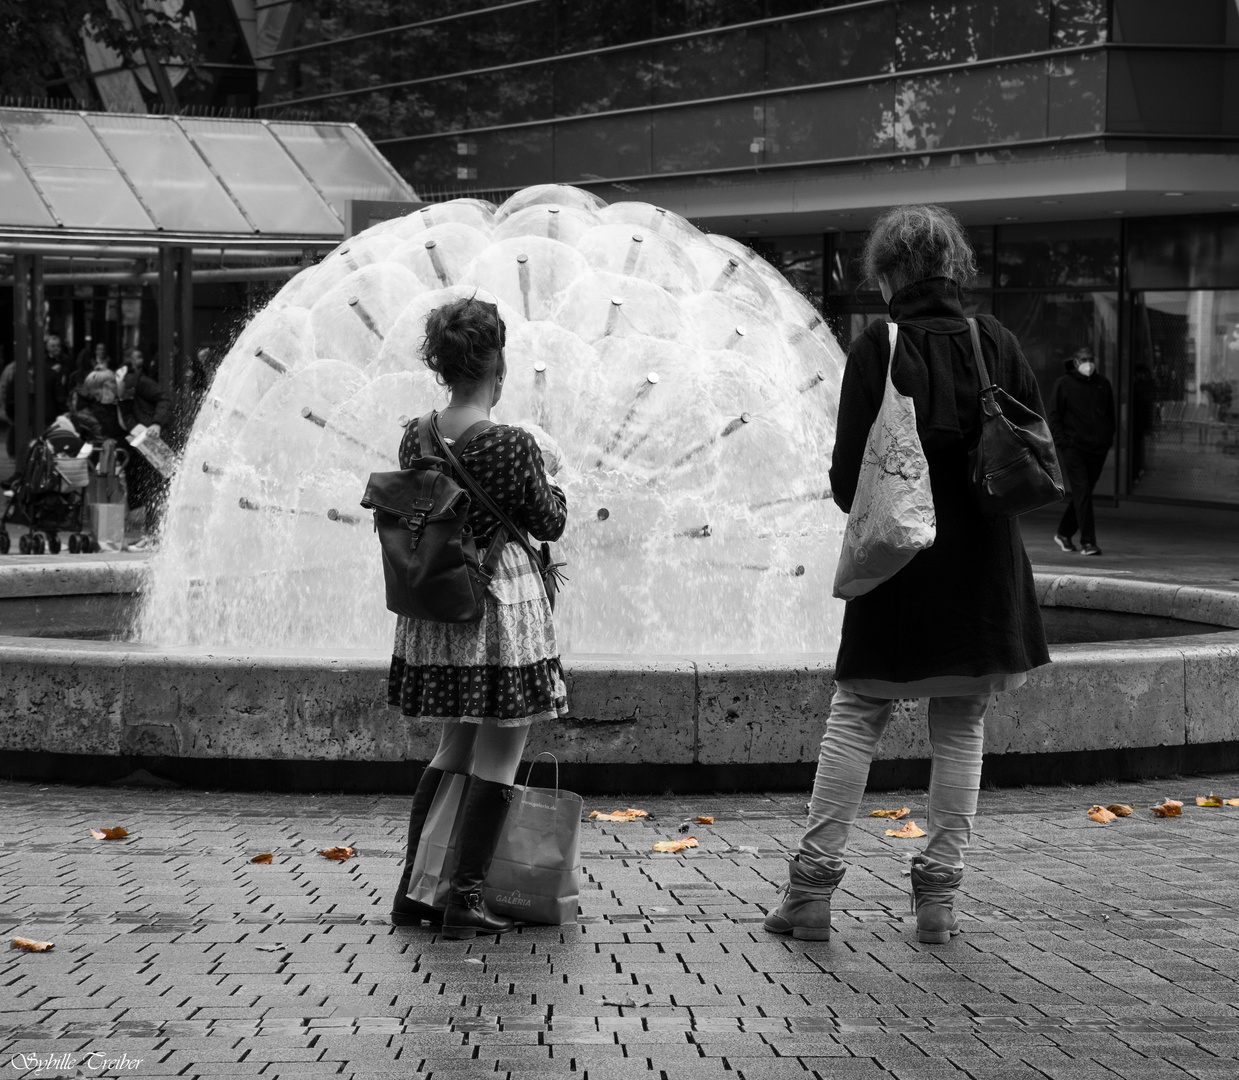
x=48, y=491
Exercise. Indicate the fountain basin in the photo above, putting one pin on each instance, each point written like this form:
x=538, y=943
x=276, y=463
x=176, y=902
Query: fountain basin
x=97, y=710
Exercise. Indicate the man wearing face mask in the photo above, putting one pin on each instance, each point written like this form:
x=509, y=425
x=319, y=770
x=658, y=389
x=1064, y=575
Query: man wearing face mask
x=1081, y=416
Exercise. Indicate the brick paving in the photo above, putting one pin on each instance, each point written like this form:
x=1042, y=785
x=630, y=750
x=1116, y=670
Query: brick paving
x=1090, y=952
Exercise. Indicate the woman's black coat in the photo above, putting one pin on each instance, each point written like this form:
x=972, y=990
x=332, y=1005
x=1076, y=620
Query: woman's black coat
x=966, y=605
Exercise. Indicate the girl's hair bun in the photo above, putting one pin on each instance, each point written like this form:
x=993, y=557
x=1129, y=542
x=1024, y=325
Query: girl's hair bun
x=464, y=340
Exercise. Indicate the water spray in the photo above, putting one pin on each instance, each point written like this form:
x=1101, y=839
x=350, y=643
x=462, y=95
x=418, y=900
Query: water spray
x=651, y=380
x=278, y=366
x=522, y=275
x=319, y=421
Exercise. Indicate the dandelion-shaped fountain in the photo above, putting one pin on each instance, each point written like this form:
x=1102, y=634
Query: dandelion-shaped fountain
x=682, y=390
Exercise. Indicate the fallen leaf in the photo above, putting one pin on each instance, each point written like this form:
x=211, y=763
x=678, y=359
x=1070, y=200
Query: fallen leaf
x=676, y=845
x=117, y=833
x=1231, y=802
x=26, y=945
x=705, y=820
x=1121, y=809
x=907, y=831
x=1209, y=800
x=1101, y=814
x=619, y=815
x=1168, y=808
x=625, y=1003
x=270, y=948
x=741, y=849
x=265, y=858
x=472, y=960
x=339, y=854
x=894, y=815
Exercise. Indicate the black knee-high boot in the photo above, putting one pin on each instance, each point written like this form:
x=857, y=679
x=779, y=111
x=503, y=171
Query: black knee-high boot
x=406, y=912
x=483, y=813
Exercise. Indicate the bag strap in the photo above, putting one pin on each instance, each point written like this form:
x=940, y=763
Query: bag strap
x=974, y=331
x=505, y=522
x=529, y=771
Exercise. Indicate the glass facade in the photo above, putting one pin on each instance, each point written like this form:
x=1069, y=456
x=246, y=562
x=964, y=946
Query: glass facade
x=1157, y=303
x=710, y=86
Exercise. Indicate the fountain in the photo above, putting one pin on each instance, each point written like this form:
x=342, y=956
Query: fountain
x=684, y=395
x=683, y=392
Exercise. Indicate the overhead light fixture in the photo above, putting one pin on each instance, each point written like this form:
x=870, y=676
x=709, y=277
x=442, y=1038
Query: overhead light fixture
x=1118, y=211
x=1174, y=194
x=1011, y=217
x=1051, y=202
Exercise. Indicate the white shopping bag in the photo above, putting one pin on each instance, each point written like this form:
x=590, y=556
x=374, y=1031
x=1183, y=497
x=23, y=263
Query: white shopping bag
x=892, y=515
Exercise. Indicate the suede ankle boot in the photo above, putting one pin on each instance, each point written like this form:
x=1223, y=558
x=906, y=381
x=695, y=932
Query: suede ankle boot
x=933, y=900
x=406, y=912
x=805, y=912
x=482, y=817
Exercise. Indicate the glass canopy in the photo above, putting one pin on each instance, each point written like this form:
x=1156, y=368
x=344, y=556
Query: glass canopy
x=172, y=174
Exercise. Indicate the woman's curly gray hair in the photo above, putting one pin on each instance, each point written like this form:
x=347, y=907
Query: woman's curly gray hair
x=910, y=243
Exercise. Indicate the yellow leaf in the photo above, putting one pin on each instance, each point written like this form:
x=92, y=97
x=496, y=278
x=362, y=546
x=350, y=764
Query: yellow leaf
x=619, y=815
x=676, y=845
x=1208, y=800
x=1121, y=809
x=1101, y=814
x=117, y=833
x=340, y=854
x=1168, y=808
x=907, y=831
x=265, y=859
x=1231, y=802
x=894, y=815
x=705, y=820
x=26, y=945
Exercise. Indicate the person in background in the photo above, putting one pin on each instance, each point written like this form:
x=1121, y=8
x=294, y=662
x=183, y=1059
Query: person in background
x=1081, y=418
x=89, y=359
x=956, y=625
x=143, y=401
x=59, y=375
x=8, y=402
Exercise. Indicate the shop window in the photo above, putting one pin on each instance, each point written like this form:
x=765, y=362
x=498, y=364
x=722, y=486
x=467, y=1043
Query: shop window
x=797, y=258
x=1185, y=395
x=508, y=97
x=1063, y=253
x=1184, y=253
x=685, y=16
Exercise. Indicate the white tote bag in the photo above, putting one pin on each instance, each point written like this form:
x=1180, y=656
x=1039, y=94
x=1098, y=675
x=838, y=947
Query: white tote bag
x=892, y=516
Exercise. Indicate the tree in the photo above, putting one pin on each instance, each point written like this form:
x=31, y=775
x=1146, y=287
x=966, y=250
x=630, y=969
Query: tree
x=40, y=39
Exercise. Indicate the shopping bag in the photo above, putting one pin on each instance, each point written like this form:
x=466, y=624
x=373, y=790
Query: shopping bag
x=436, y=851
x=892, y=515
x=535, y=875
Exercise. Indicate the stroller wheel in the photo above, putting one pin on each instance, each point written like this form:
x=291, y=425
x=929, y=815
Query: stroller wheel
x=23, y=544
x=53, y=543
x=37, y=544
x=5, y=542
x=75, y=543
x=89, y=544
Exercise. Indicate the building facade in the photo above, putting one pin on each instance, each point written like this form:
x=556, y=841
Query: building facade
x=1091, y=146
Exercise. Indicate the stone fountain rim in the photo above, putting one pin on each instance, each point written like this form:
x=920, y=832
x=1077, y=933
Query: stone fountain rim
x=86, y=576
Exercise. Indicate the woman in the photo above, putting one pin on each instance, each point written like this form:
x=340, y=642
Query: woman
x=960, y=621
x=484, y=683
